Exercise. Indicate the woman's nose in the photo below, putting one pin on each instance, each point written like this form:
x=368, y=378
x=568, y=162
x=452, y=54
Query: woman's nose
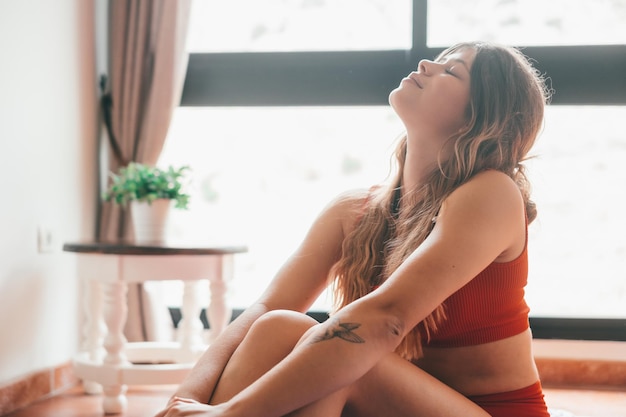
x=424, y=66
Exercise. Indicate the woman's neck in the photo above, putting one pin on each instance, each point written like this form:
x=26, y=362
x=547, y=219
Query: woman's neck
x=420, y=161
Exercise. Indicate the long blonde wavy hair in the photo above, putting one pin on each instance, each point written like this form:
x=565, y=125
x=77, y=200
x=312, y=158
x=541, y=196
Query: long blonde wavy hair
x=504, y=117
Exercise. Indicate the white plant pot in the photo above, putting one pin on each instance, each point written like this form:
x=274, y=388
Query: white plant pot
x=150, y=221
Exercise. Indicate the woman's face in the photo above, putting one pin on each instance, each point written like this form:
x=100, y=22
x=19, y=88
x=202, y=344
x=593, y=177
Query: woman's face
x=435, y=97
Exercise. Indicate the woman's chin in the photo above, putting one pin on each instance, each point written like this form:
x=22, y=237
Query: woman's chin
x=393, y=97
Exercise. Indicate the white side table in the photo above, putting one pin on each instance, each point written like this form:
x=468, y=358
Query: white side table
x=107, y=363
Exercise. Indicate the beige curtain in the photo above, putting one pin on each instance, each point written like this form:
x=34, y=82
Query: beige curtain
x=147, y=65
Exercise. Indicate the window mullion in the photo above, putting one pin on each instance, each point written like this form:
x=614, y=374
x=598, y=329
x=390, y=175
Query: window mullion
x=420, y=29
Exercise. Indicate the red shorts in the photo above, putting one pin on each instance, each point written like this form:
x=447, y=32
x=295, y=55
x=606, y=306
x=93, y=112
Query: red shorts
x=525, y=402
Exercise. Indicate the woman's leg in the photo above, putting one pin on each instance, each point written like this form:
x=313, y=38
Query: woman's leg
x=331, y=406
x=396, y=387
x=272, y=337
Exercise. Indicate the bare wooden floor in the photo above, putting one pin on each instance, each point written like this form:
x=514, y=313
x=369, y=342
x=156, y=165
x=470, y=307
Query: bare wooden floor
x=145, y=401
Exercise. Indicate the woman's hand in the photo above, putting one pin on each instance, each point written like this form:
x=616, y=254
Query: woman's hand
x=185, y=407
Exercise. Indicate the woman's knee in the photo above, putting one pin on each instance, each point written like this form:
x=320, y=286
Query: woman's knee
x=270, y=339
x=281, y=325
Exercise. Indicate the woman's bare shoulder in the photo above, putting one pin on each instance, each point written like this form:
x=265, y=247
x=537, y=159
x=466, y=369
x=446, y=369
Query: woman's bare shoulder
x=349, y=206
x=490, y=187
x=354, y=198
x=490, y=198
x=490, y=201
x=492, y=176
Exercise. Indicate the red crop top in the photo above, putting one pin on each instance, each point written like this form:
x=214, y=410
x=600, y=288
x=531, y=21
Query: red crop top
x=489, y=308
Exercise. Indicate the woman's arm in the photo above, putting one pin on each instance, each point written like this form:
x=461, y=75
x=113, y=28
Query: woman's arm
x=479, y=222
x=295, y=287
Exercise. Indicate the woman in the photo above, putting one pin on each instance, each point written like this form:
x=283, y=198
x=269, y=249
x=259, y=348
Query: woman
x=429, y=271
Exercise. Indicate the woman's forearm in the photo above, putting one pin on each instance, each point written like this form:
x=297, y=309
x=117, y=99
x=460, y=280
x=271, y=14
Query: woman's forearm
x=329, y=357
x=202, y=380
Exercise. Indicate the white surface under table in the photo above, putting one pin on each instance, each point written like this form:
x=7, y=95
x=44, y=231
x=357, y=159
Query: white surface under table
x=107, y=363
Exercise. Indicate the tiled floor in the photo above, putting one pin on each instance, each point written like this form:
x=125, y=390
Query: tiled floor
x=144, y=401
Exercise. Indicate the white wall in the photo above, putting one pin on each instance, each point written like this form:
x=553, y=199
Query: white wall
x=47, y=147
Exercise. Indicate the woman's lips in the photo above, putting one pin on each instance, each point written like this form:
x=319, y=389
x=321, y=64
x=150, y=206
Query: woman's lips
x=414, y=79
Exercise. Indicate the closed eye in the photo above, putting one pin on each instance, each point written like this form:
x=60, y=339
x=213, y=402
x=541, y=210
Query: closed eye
x=449, y=71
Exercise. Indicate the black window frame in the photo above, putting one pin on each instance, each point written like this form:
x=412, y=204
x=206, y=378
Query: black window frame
x=580, y=75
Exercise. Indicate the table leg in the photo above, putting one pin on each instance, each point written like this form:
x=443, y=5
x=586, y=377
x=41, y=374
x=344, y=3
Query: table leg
x=190, y=325
x=93, y=329
x=115, y=312
x=219, y=313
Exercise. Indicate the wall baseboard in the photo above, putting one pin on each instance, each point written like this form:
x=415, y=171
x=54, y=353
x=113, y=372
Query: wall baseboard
x=581, y=364
x=36, y=386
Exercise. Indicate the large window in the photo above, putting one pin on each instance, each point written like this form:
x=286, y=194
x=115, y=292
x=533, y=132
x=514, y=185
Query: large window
x=288, y=26
x=289, y=108
x=577, y=247
x=527, y=22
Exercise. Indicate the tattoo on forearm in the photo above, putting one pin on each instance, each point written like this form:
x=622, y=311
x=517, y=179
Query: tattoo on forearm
x=343, y=331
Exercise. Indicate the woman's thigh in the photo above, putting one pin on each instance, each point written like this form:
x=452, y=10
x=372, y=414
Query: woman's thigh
x=396, y=387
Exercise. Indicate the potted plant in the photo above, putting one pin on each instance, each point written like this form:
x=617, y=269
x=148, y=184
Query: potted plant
x=149, y=192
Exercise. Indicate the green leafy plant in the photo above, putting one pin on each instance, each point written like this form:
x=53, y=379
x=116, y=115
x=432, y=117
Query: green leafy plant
x=139, y=182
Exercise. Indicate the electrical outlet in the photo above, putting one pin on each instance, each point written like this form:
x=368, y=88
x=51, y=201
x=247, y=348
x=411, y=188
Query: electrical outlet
x=45, y=239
